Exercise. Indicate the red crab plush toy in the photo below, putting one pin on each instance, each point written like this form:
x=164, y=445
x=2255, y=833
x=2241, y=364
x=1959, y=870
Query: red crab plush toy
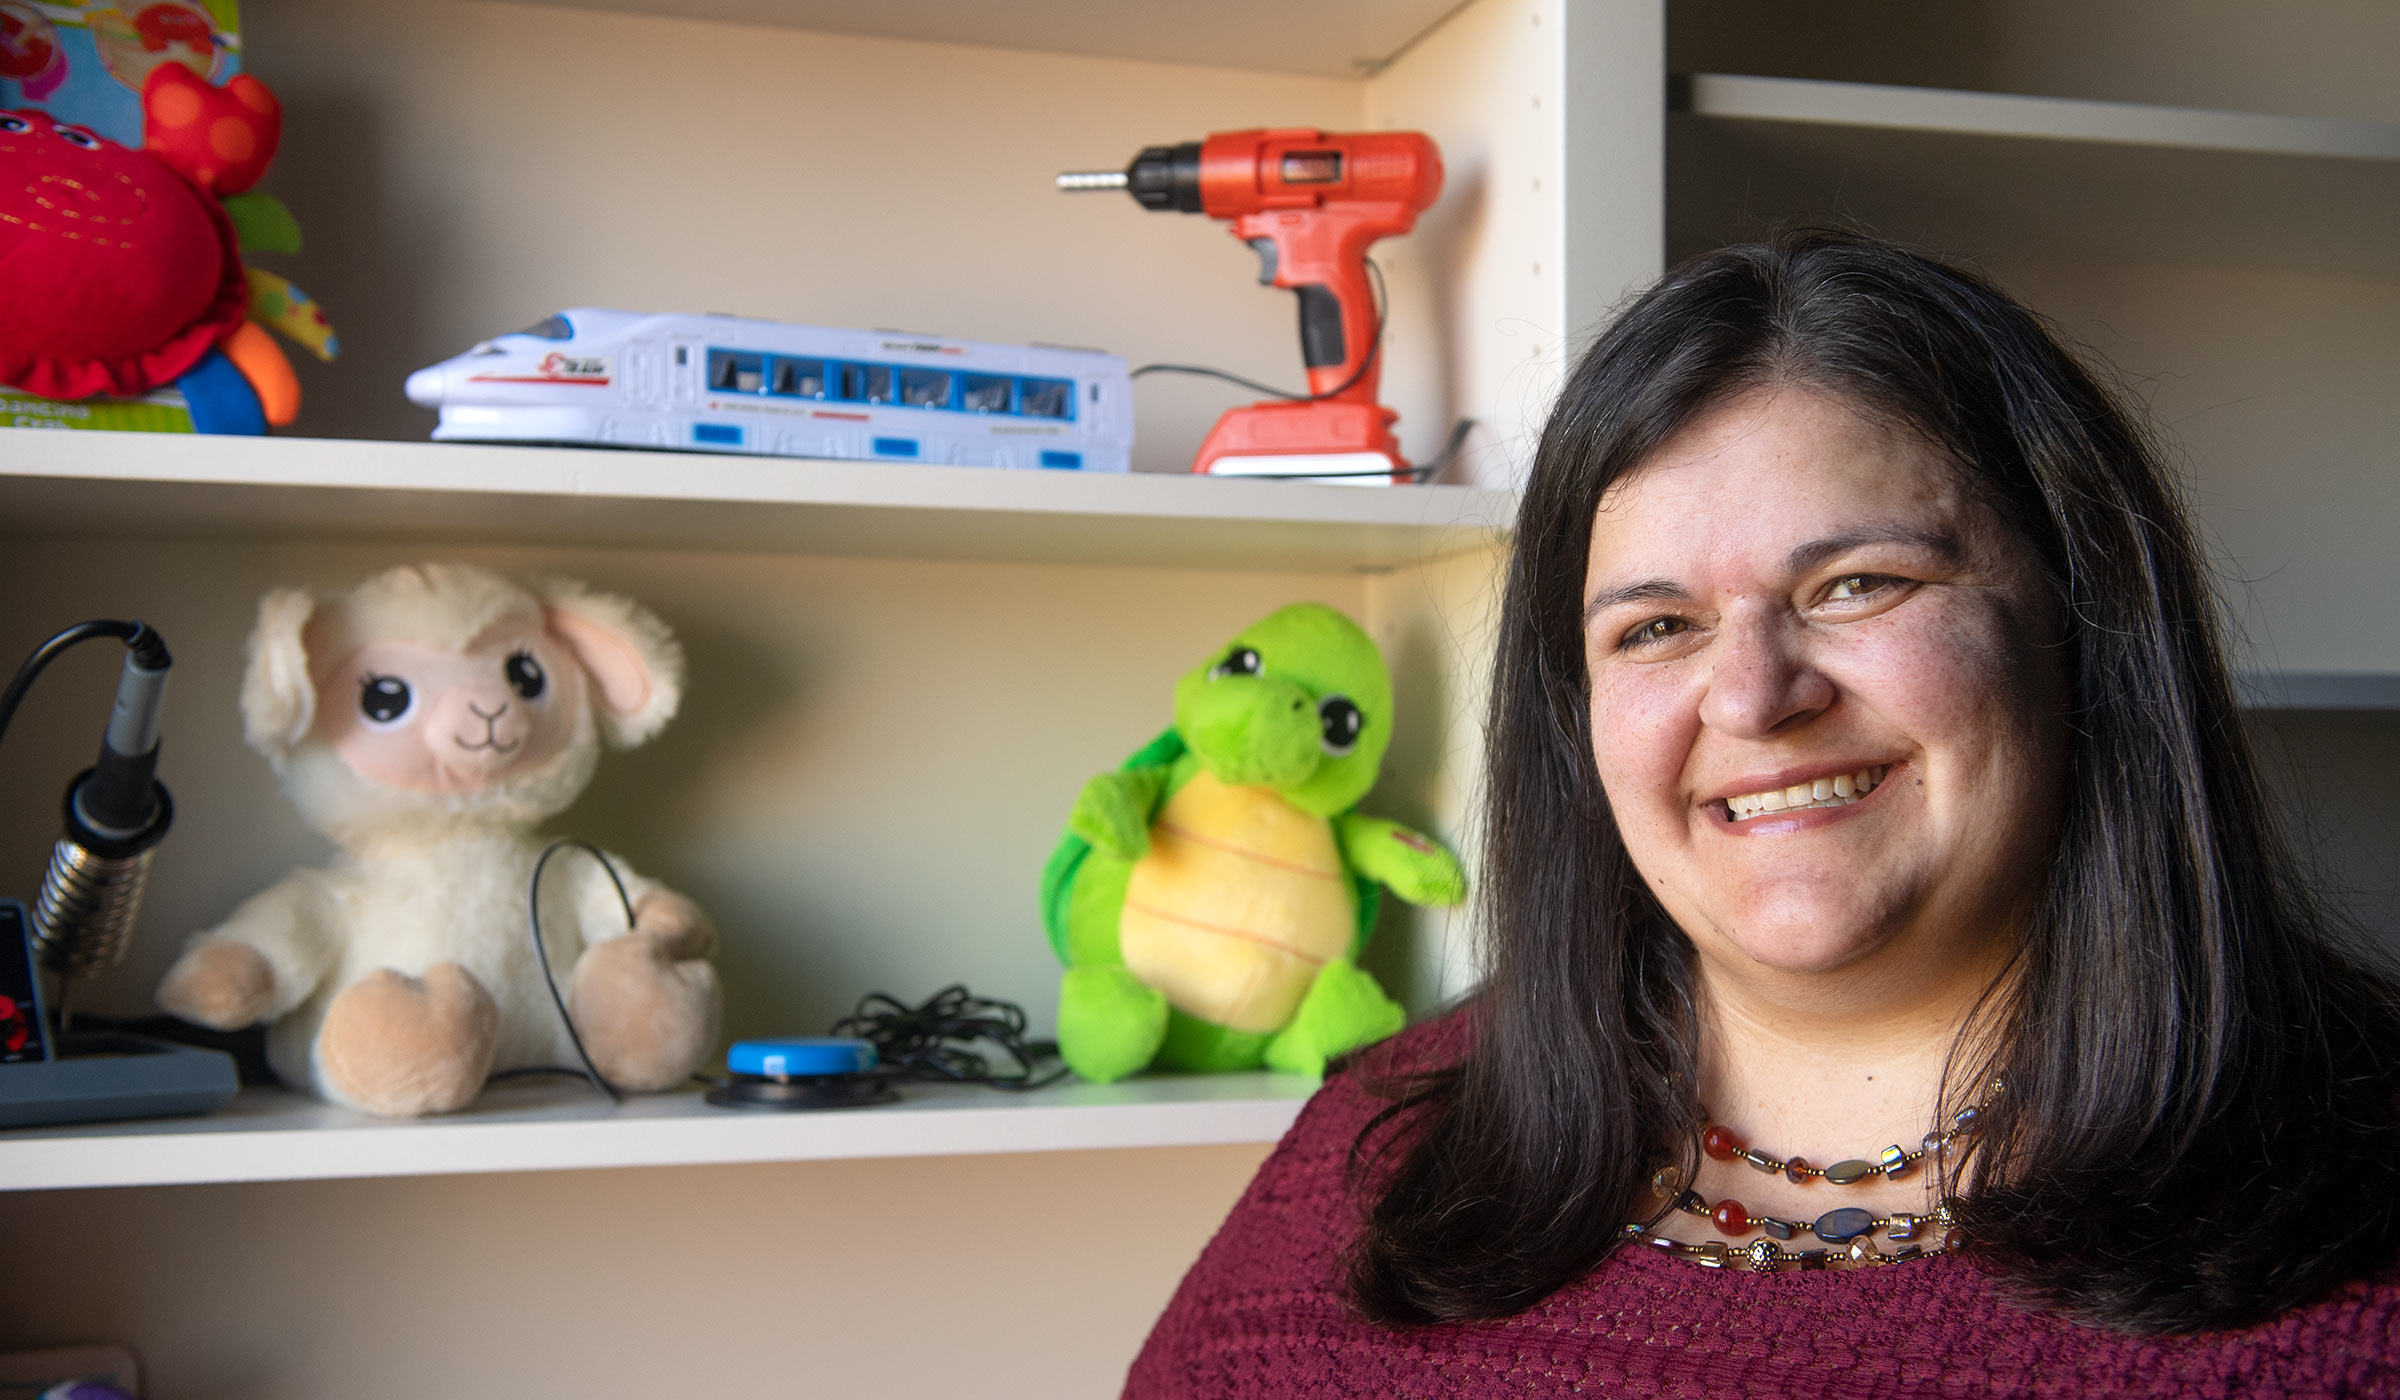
x=122, y=268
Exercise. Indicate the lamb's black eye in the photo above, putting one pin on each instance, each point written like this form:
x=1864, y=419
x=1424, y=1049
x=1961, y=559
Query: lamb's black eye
x=524, y=675
x=1341, y=722
x=384, y=699
x=1241, y=661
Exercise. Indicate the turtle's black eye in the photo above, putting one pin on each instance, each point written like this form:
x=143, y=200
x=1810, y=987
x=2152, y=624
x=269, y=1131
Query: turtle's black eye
x=14, y=125
x=384, y=699
x=525, y=675
x=1341, y=722
x=1241, y=661
x=74, y=137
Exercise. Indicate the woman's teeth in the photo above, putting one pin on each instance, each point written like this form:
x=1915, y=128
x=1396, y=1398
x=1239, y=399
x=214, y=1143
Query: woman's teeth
x=1838, y=791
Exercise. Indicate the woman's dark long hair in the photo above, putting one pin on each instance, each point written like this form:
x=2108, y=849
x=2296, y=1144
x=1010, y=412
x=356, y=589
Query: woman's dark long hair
x=2203, y=1119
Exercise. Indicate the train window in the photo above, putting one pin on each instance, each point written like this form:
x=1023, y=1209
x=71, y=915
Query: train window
x=867, y=383
x=925, y=388
x=732, y=373
x=985, y=393
x=1048, y=398
x=550, y=328
x=799, y=379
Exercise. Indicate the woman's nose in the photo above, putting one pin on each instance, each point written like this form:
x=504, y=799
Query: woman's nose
x=1760, y=679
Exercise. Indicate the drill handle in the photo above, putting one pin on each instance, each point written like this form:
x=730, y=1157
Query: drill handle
x=1321, y=254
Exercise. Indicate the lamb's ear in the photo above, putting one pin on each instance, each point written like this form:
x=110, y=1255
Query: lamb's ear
x=279, y=700
x=633, y=660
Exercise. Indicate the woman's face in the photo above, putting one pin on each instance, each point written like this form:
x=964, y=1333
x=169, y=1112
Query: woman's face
x=1826, y=700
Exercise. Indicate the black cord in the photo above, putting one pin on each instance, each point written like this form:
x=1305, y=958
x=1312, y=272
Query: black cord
x=931, y=1041
x=541, y=954
x=137, y=636
x=1374, y=348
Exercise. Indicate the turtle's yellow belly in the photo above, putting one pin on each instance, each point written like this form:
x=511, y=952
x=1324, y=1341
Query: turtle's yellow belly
x=1240, y=900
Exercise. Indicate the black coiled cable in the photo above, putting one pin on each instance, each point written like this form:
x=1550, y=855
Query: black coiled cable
x=934, y=1040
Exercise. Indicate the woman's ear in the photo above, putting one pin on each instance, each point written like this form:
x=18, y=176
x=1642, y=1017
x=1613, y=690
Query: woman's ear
x=635, y=666
x=279, y=700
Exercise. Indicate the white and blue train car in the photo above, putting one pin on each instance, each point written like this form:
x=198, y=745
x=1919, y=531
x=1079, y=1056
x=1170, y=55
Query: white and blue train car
x=732, y=384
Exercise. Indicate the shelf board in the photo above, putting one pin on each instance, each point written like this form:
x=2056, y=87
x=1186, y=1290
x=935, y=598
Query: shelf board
x=557, y=1125
x=1813, y=101
x=1347, y=39
x=1970, y=171
x=2319, y=690
x=182, y=485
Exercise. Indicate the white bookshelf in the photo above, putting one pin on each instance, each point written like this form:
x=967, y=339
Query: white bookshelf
x=2320, y=690
x=1977, y=171
x=899, y=678
x=1885, y=107
x=58, y=483
x=271, y=1135
x=1345, y=38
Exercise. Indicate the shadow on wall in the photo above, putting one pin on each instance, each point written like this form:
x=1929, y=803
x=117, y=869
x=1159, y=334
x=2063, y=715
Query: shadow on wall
x=2336, y=774
x=361, y=255
x=1400, y=954
x=1448, y=241
x=735, y=690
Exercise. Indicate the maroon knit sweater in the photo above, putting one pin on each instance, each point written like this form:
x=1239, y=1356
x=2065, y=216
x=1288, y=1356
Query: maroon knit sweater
x=1263, y=1316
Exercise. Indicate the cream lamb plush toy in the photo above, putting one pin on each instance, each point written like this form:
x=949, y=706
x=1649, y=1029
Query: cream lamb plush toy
x=427, y=721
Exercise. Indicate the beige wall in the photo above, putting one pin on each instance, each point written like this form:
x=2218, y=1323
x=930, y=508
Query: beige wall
x=463, y=168
x=1034, y=1276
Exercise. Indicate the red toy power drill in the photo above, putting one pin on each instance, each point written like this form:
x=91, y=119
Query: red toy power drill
x=1310, y=202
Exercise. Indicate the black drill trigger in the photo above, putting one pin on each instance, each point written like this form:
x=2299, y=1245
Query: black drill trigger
x=1265, y=248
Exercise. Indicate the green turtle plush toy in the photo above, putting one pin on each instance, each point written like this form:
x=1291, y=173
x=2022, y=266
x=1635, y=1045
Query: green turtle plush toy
x=1211, y=897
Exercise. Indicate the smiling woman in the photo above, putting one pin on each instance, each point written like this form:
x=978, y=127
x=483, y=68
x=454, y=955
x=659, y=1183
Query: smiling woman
x=1865, y=780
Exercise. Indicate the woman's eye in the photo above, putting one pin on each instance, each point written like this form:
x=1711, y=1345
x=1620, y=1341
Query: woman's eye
x=1241, y=661
x=1853, y=587
x=524, y=675
x=1656, y=630
x=384, y=699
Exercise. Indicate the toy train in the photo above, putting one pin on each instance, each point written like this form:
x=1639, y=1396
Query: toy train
x=589, y=376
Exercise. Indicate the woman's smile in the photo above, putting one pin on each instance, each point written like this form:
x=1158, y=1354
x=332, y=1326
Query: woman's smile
x=1845, y=785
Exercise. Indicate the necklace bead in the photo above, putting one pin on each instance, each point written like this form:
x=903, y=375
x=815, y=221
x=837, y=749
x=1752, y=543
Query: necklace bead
x=1892, y=1163
x=1844, y=1225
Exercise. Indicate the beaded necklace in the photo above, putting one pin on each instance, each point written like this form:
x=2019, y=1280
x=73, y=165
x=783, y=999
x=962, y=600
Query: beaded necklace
x=1849, y=1229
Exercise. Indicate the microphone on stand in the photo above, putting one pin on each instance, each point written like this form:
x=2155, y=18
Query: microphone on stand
x=116, y=813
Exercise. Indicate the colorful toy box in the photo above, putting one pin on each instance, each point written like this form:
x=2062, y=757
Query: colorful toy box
x=85, y=62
